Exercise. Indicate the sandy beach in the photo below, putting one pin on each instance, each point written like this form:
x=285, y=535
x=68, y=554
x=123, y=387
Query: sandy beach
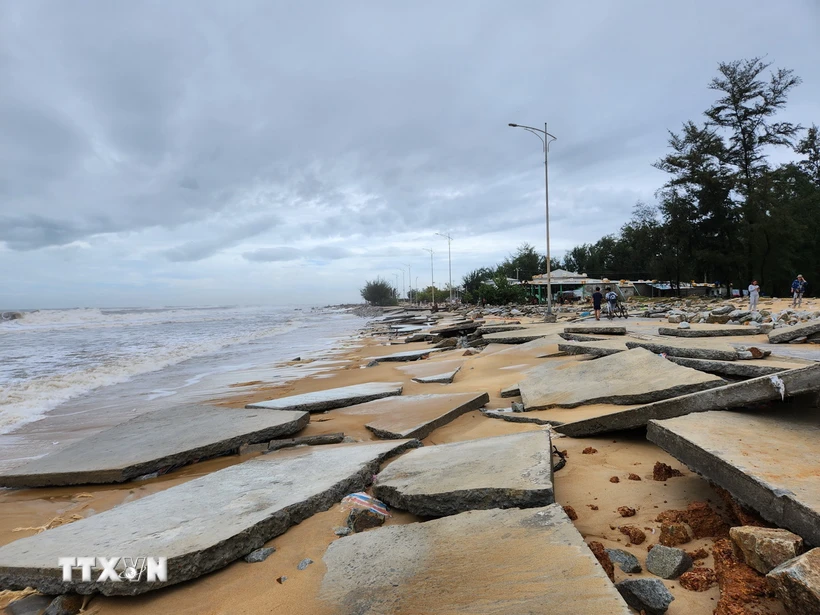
x=586, y=484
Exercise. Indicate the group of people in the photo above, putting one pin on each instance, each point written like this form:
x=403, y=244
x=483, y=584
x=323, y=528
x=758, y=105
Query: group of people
x=798, y=289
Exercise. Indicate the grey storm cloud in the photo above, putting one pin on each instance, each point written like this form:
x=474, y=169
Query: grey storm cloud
x=358, y=120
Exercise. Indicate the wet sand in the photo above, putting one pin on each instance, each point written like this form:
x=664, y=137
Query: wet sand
x=253, y=588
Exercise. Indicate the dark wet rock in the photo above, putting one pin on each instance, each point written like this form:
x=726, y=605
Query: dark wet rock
x=625, y=560
x=648, y=595
x=668, y=562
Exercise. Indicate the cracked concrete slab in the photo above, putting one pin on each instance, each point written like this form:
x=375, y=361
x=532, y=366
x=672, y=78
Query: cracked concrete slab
x=406, y=355
x=708, y=331
x=202, y=525
x=767, y=461
x=499, y=472
x=786, y=334
x=631, y=377
x=700, y=348
x=592, y=329
x=526, y=334
x=506, y=414
x=426, y=372
x=153, y=441
x=752, y=368
x=602, y=348
x=740, y=394
x=329, y=399
x=492, y=562
x=415, y=416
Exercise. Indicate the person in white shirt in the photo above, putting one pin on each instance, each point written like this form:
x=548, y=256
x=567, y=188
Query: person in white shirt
x=754, y=295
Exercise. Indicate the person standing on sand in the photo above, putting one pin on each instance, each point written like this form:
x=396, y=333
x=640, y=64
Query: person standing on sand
x=798, y=288
x=597, y=297
x=754, y=295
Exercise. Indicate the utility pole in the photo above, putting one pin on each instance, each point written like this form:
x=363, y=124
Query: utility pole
x=432, y=281
x=449, y=261
x=409, y=280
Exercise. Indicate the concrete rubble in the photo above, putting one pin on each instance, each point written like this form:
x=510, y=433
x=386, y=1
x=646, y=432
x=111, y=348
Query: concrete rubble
x=329, y=399
x=406, y=355
x=751, y=455
x=415, y=416
x=668, y=562
x=201, y=525
x=527, y=334
x=797, y=583
x=152, y=442
x=435, y=372
x=753, y=368
x=766, y=548
x=707, y=331
x=507, y=414
x=787, y=334
x=498, y=472
x=631, y=377
x=552, y=572
x=602, y=329
x=740, y=394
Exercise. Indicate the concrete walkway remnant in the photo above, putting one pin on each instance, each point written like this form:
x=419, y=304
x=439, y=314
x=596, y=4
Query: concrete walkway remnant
x=708, y=331
x=633, y=377
x=329, y=399
x=426, y=372
x=603, y=348
x=517, y=417
x=416, y=416
x=736, y=395
x=455, y=329
x=590, y=329
x=154, y=441
x=752, y=368
x=786, y=334
x=693, y=349
x=484, y=561
x=527, y=334
x=199, y=526
x=407, y=355
x=768, y=462
x=499, y=472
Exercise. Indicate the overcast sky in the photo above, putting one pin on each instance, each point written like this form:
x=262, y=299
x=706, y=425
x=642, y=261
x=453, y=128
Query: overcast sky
x=214, y=152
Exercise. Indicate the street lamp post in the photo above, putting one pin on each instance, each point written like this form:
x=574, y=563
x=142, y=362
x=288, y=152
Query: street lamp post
x=546, y=139
x=403, y=285
x=432, y=281
x=449, y=261
x=409, y=281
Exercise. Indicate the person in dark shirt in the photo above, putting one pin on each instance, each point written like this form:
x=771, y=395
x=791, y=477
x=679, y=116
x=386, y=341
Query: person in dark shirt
x=597, y=297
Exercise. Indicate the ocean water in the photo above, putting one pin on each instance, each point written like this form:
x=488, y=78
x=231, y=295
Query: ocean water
x=116, y=361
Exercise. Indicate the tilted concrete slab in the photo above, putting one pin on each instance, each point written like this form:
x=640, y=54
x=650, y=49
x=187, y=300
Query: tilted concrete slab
x=527, y=334
x=492, y=562
x=580, y=337
x=701, y=348
x=753, y=368
x=498, y=472
x=407, y=355
x=511, y=391
x=737, y=395
x=596, y=349
x=631, y=377
x=786, y=334
x=441, y=372
x=201, y=525
x=499, y=327
x=517, y=417
x=332, y=398
x=464, y=327
x=708, y=331
x=153, y=441
x=415, y=416
x=591, y=329
x=767, y=461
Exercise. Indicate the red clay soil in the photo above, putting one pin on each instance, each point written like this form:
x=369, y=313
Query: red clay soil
x=698, y=579
x=699, y=554
x=662, y=472
x=573, y=516
x=634, y=477
x=674, y=534
x=614, y=479
x=626, y=511
x=741, y=587
x=602, y=556
x=636, y=535
x=589, y=451
x=740, y=514
x=704, y=521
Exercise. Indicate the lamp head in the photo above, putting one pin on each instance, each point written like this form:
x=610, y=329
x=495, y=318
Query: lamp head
x=513, y=125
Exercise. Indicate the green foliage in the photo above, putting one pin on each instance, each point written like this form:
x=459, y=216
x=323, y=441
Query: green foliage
x=426, y=295
x=501, y=292
x=379, y=292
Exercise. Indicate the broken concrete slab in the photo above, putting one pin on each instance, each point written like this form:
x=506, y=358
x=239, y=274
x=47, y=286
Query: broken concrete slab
x=510, y=391
x=416, y=416
x=318, y=440
x=578, y=337
x=433, y=372
x=499, y=327
x=752, y=368
x=407, y=355
x=708, y=331
x=508, y=415
x=457, y=328
x=752, y=456
x=736, y=395
x=526, y=334
x=154, y=441
x=517, y=561
x=632, y=377
x=202, y=525
x=332, y=398
x=498, y=472
x=786, y=334
x=693, y=349
x=602, y=348
x=591, y=329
